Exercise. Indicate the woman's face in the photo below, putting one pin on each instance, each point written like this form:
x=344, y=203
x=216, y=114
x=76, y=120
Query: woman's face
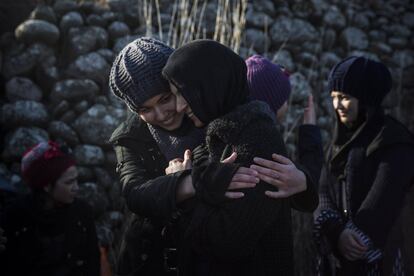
x=160, y=111
x=66, y=187
x=346, y=106
x=183, y=107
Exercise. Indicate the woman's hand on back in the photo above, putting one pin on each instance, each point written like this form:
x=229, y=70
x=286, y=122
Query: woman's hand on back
x=243, y=178
x=281, y=173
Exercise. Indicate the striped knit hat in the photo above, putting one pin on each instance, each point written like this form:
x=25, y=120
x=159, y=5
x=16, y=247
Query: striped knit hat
x=267, y=82
x=136, y=72
x=43, y=164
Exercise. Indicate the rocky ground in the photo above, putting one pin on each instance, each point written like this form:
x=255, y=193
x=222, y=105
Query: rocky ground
x=55, y=65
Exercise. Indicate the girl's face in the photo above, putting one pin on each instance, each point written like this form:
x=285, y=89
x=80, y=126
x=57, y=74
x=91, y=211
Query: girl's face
x=346, y=106
x=182, y=106
x=160, y=111
x=66, y=187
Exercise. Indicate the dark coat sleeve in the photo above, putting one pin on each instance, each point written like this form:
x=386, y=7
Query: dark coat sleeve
x=149, y=196
x=310, y=161
x=381, y=206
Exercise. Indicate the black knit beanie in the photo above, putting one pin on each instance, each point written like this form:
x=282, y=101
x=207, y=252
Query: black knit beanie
x=365, y=79
x=136, y=72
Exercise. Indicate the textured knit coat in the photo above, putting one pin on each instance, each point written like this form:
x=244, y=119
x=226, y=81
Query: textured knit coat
x=366, y=186
x=248, y=236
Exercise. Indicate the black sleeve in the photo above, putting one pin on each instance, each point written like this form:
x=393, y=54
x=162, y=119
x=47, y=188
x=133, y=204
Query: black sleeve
x=306, y=201
x=310, y=159
x=382, y=205
x=310, y=151
x=145, y=195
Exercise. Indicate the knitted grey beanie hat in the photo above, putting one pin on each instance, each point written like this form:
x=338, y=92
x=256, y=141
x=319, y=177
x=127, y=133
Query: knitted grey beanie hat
x=136, y=72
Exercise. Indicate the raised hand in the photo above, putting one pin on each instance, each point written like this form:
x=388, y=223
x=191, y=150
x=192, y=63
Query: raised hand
x=309, y=114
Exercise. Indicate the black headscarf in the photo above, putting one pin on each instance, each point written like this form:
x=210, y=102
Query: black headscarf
x=210, y=76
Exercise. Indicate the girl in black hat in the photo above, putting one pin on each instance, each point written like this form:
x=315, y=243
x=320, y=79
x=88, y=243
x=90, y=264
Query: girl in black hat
x=362, y=222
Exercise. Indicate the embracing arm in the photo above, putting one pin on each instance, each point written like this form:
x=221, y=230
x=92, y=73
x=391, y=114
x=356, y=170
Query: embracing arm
x=149, y=196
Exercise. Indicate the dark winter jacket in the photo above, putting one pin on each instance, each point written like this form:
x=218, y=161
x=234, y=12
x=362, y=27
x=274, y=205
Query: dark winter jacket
x=55, y=242
x=149, y=195
x=366, y=183
x=248, y=236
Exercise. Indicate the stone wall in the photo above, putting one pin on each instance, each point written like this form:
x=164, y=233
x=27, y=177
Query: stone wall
x=55, y=66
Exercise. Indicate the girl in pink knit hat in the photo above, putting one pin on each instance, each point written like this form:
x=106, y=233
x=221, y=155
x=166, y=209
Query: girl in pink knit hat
x=49, y=231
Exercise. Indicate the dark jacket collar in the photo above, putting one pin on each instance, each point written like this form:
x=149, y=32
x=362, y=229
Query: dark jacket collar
x=132, y=128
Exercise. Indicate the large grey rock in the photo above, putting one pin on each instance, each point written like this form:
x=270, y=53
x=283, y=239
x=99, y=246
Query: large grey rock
x=107, y=54
x=257, y=40
x=21, y=139
x=354, y=38
x=118, y=29
x=398, y=42
x=61, y=130
x=86, y=39
x=329, y=39
x=334, y=18
x=24, y=113
x=62, y=7
x=300, y=88
x=408, y=19
x=89, y=155
x=24, y=62
x=329, y=59
x=73, y=90
x=120, y=43
x=284, y=58
x=71, y=20
x=19, y=88
x=35, y=30
x=47, y=73
x=96, y=20
x=361, y=21
x=91, y=193
x=263, y=6
x=97, y=124
x=404, y=58
x=103, y=178
x=44, y=12
x=259, y=20
x=292, y=31
x=118, y=5
x=92, y=66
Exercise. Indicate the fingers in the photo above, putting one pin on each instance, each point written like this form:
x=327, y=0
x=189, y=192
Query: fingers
x=278, y=194
x=233, y=195
x=244, y=178
x=231, y=158
x=187, y=160
x=281, y=159
x=175, y=160
x=268, y=175
x=357, y=244
x=310, y=101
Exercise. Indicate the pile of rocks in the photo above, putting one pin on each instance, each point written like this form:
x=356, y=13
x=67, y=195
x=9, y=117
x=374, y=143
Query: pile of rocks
x=55, y=69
